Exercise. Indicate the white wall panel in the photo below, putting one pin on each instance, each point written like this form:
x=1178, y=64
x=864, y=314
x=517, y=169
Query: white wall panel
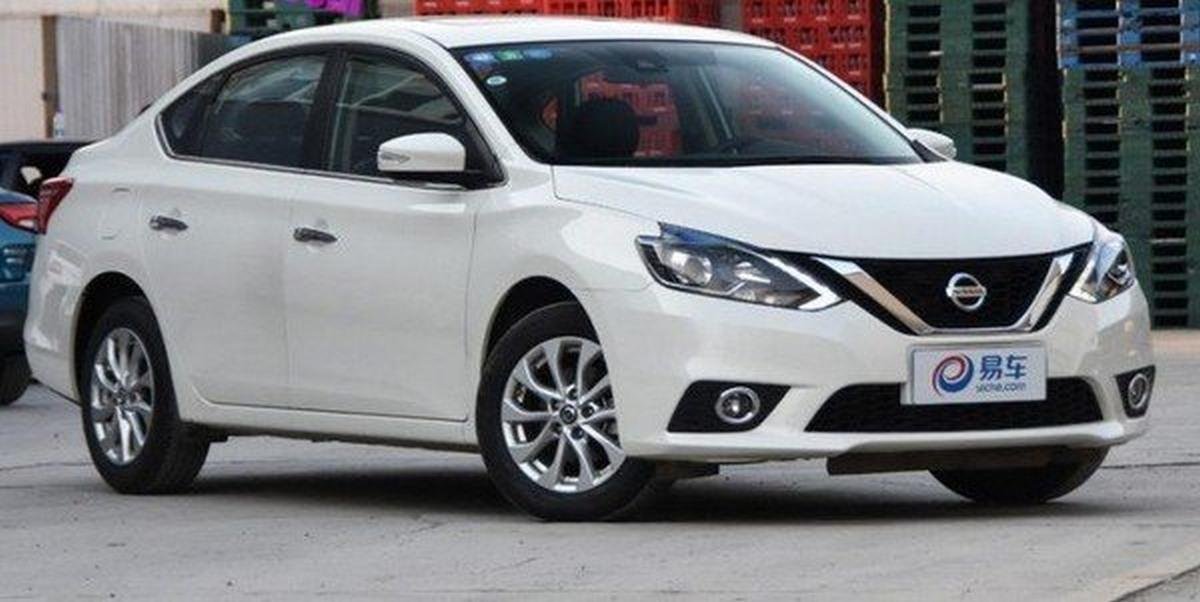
x=21, y=110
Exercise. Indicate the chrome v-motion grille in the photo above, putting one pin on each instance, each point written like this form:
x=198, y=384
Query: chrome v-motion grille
x=1007, y=294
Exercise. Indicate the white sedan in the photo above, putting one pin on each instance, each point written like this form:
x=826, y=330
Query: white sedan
x=606, y=255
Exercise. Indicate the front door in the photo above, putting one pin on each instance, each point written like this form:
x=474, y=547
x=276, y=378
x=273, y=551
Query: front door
x=376, y=274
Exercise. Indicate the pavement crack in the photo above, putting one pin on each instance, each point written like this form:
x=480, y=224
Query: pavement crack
x=1181, y=464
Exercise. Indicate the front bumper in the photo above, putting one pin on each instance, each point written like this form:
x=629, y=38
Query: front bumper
x=659, y=341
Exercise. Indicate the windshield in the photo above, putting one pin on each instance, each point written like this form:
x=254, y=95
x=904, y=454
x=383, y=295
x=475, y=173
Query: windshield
x=645, y=103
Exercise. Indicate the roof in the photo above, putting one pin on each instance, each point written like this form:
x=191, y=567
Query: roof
x=458, y=32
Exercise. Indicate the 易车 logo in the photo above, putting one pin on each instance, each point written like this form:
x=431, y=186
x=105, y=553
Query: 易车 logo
x=953, y=374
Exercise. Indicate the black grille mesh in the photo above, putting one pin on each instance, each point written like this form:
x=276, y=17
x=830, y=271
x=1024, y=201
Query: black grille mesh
x=877, y=409
x=1012, y=284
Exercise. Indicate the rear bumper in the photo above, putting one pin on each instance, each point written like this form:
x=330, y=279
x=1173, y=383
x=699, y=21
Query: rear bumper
x=658, y=342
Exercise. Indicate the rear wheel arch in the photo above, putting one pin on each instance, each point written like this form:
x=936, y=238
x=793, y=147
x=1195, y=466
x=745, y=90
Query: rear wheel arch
x=99, y=294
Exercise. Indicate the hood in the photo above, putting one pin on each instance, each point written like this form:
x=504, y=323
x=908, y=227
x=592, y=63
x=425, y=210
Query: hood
x=919, y=211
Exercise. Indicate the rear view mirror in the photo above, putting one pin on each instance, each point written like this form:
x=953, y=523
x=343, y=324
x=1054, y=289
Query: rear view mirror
x=418, y=155
x=938, y=143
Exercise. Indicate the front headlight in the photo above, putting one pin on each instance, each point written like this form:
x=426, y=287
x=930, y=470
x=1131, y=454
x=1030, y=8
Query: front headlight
x=1109, y=270
x=702, y=263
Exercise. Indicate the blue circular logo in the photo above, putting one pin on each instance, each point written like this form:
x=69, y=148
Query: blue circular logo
x=953, y=374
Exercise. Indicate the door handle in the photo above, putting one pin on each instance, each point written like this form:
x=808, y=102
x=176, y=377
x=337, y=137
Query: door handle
x=313, y=235
x=162, y=222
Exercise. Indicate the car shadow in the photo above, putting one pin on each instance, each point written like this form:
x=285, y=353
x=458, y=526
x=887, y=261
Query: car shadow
x=466, y=491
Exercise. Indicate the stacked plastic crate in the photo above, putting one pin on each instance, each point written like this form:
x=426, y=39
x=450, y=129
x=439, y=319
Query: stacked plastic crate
x=984, y=73
x=844, y=36
x=694, y=12
x=1131, y=91
x=259, y=18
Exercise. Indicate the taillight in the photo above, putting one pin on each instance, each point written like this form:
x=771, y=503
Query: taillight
x=20, y=215
x=52, y=192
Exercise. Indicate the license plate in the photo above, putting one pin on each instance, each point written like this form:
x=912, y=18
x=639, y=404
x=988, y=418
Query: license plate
x=947, y=376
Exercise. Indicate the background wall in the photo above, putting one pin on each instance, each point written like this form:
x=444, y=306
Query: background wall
x=104, y=79
x=21, y=62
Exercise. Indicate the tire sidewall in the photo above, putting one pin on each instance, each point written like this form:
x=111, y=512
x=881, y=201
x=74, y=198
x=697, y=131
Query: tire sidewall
x=134, y=314
x=609, y=499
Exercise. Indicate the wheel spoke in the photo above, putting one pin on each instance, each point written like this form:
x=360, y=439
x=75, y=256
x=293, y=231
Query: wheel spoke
x=597, y=389
x=600, y=416
x=588, y=352
x=142, y=409
x=103, y=379
x=135, y=428
x=524, y=452
x=553, y=473
x=125, y=350
x=136, y=355
x=511, y=412
x=125, y=436
x=553, y=352
x=524, y=376
x=587, y=475
x=110, y=355
x=614, y=452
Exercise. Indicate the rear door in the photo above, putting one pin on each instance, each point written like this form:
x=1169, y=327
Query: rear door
x=215, y=224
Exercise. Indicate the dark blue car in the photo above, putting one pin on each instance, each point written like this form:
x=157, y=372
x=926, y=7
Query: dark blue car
x=23, y=167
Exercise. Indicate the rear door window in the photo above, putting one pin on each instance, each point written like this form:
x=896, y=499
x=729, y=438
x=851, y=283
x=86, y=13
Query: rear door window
x=261, y=113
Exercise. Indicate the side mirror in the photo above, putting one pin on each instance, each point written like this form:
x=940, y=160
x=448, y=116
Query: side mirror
x=938, y=143
x=422, y=156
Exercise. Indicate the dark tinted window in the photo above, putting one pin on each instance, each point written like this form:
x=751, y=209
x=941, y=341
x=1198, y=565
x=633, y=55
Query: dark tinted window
x=677, y=103
x=380, y=99
x=183, y=120
x=261, y=112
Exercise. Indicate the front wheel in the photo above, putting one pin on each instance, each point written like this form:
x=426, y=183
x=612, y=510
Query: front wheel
x=547, y=424
x=1022, y=486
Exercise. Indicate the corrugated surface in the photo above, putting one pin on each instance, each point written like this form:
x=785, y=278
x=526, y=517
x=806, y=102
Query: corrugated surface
x=21, y=110
x=107, y=72
x=175, y=14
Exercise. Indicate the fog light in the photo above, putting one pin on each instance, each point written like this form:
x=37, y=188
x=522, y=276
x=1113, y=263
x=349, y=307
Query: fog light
x=1136, y=389
x=1138, y=392
x=738, y=405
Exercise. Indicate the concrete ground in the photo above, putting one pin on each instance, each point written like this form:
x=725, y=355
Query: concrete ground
x=281, y=519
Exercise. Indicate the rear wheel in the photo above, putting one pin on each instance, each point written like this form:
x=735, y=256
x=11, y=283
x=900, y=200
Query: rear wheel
x=547, y=424
x=130, y=420
x=14, y=379
x=1019, y=486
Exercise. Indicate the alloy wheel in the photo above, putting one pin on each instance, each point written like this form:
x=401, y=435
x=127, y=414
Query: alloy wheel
x=558, y=417
x=122, y=396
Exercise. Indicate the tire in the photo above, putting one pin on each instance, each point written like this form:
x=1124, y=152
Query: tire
x=1022, y=486
x=171, y=455
x=618, y=485
x=14, y=379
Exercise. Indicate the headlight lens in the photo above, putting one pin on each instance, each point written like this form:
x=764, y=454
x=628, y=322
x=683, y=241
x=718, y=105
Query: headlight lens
x=1109, y=271
x=702, y=263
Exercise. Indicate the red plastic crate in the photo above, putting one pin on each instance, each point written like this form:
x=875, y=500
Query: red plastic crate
x=596, y=8
x=844, y=35
x=695, y=12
